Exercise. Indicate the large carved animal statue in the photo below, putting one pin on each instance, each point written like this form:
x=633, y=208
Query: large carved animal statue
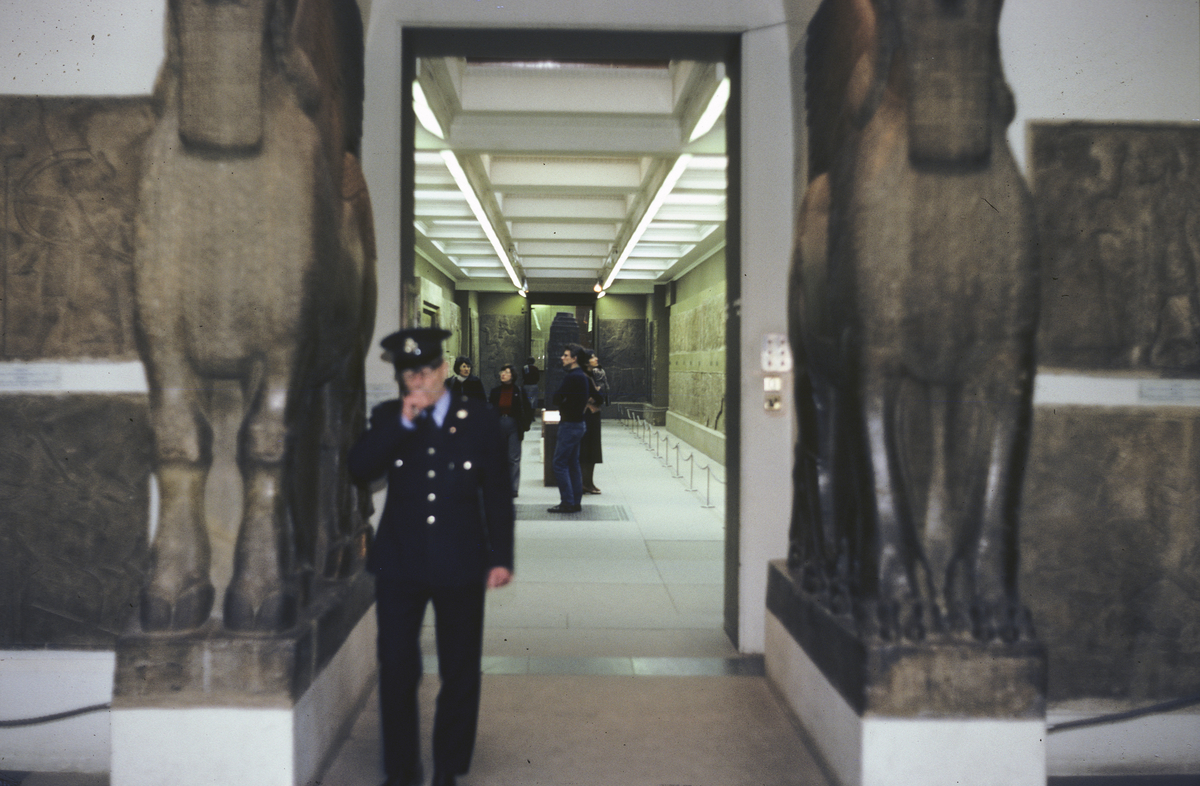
x=914, y=305
x=255, y=262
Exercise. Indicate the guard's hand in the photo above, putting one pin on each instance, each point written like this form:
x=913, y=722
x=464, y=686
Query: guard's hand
x=416, y=402
x=498, y=577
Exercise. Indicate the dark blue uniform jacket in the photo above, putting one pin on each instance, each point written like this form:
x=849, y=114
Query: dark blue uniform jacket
x=448, y=518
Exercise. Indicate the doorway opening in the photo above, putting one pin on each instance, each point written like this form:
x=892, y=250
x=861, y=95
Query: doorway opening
x=664, y=373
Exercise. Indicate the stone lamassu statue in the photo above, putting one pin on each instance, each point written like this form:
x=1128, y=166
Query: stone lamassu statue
x=914, y=304
x=255, y=261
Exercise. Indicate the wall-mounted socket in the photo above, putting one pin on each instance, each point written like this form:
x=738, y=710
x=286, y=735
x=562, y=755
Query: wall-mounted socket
x=776, y=353
x=772, y=393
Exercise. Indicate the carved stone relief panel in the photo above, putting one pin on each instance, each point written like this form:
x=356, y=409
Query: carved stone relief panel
x=622, y=347
x=69, y=169
x=1110, y=551
x=501, y=340
x=1119, y=219
x=697, y=359
x=74, y=496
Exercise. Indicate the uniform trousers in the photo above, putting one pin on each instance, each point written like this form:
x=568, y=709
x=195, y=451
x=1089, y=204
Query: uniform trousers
x=400, y=610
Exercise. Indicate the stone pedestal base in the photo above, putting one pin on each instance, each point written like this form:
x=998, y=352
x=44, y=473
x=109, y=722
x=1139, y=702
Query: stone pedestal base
x=884, y=714
x=215, y=707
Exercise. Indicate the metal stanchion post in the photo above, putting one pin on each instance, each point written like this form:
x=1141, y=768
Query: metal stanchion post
x=708, y=491
x=678, y=469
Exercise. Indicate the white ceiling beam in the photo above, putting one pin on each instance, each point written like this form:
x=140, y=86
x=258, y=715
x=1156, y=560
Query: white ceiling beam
x=552, y=231
x=701, y=213
x=435, y=211
x=677, y=233
x=509, y=173
x=646, y=250
x=565, y=135
x=529, y=207
x=574, y=263
x=564, y=248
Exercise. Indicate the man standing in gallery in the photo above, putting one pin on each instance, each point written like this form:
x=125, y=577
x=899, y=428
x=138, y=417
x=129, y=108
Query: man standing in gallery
x=570, y=401
x=446, y=535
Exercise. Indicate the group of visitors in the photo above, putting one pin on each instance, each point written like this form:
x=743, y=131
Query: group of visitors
x=583, y=392
x=577, y=450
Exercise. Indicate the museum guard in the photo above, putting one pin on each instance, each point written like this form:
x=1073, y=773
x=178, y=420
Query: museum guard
x=446, y=533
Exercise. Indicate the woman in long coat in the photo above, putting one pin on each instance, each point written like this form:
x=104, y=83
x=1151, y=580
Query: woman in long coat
x=590, y=452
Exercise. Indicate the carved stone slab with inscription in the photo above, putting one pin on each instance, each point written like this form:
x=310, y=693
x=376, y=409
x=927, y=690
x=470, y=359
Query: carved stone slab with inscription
x=74, y=500
x=69, y=169
x=1119, y=220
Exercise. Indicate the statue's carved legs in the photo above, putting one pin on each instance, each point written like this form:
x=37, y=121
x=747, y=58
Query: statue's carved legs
x=343, y=520
x=178, y=595
x=260, y=596
x=977, y=584
x=892, y=552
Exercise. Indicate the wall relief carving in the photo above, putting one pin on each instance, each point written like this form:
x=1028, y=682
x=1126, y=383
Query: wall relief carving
x=1119, y=221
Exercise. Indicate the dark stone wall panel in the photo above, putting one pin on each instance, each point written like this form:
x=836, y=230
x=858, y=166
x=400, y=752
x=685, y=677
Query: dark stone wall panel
x=1110, y=551
x=1119, y=223
x=70, y=168
x=501, y=340
x=74, y=496
x=621, y=344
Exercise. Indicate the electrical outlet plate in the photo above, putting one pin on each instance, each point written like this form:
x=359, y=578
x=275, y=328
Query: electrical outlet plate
x=776, y=353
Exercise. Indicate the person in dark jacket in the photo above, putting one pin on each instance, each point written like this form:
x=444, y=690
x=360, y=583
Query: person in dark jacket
x=463, y=383
x=570, y=401
x=591, y=452
x=516, y=416
x=445, y=535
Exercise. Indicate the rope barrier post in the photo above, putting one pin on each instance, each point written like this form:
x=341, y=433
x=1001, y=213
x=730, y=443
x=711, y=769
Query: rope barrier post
x=678, y=471
x=708, y=492
x=692, y=473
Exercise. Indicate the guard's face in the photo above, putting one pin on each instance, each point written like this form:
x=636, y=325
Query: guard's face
x=425, y=381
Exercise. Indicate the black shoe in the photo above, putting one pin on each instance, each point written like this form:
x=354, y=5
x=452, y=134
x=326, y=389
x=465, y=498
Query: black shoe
x=560, y=508
x=443, y=779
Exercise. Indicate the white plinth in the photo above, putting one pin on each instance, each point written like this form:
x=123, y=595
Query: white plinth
x=36, y=683
x=881, y=751
x=264, y=746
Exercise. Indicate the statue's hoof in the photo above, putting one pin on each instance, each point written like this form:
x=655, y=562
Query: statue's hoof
x=186, y=611
x=245, y=612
